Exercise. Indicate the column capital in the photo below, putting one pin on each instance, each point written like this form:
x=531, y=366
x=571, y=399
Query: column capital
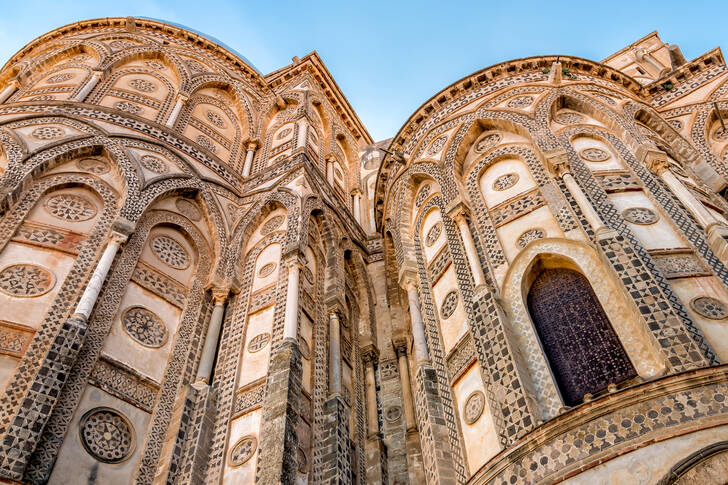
x=558, y=162
x=14, y=82
x=400, y=345
x=369, y=354
x=407, y=278
x=220, y=295
x=252, y=145
x=118, y=237
x=458, y=209
x=294, y=258
x=657, y=162
x=123, y=226
x=98, y=72
x=183, y=97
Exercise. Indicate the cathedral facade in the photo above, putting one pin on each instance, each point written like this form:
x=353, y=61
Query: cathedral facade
x=213, y=275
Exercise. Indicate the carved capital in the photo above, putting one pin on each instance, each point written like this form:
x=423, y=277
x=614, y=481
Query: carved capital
x=123, y=226
x=407, y=278
x=118, y=237
x=457, y=209
x=369, y=354
x=400, y=345
x=558, y=162
x=220, y=295
x=252, y=145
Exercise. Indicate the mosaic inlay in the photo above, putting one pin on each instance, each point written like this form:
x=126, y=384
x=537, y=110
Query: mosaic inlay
x=569, y=118
x=205, y=142
x=243, y=450
x=437, y=145
x=144, y=327
x=640, y=215
x=106, y=435
x=474, y=405
x=449, y=304
x=153, y=164
x=170, y=252
x=284, y=133
x=520, y=102
x=709, y=307
x=215, y=119
x=393, y=414
x=26, y=280
x=258, y=343
x=142, y=85
x=422, y=194
x=47, y=133
x=271, y=225
x=188, y=209
x=594, y=155
x=59, y=78
x=505, y=182
x=433, y=234
x=128, y=107
x=528, y=236
x=488, y=142
x=70, y=207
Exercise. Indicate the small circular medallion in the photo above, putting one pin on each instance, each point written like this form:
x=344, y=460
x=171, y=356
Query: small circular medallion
x=205, y=142
x=304, y=348
x=520, y=102
x=106, y=435
x=266, y=270
x=474, y=407
x=142, y=85
x=393, y=414
x=144, y=327
x=195, y=67
x=640, y=215
x=188, y=209
x=153, y=164
x=437, y=145
x=26, y=280
x=433, y=234
x=449, y=304
x=93, y=165
x=59, y=78
x=594, y=155
x=170, y=252
x=215, y=119
x=258, y=342
x=308, y=274
x=505, y=182
x=271, y=225
x=70, y=207
x=709, y=307
x=243, y=450
x=128, y=107
x=488, y=142
x=284, y=133
x=47, y=133
x=528, y=236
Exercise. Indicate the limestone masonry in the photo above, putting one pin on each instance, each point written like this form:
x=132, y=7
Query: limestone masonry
x=213, y=276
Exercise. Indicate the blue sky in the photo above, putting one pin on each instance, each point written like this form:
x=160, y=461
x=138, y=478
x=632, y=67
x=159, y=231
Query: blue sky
x=389, y=57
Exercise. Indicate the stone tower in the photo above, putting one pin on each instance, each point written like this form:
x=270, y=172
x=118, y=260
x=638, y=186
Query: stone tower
x=212, y=275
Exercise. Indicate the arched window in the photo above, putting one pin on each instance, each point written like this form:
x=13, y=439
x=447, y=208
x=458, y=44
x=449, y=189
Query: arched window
x=580, y=344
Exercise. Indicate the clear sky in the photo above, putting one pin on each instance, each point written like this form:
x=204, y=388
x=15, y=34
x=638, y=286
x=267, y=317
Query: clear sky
x=389, y=57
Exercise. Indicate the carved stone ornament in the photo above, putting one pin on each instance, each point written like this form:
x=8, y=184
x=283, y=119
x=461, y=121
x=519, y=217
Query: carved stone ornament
x=170, y=252
x=594, y=155
x=153, y=164
x=488, y=142
x=433, y=234
x=474, y=406
x=393, y=414
x=528, y=236
x=258, y=343
x=243, y=450
x=106, y=435
x=449, y=304
x=271, y=225
x=505, y=182
x=93, y=165
x=145, y=327
x=70, y=207
x=47, y=133
x=266, y=270
x=304, y=348
x=437, y=145
x=640, y=215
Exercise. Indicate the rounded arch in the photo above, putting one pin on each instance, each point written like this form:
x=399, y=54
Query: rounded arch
x=475, y=130
x=686, y=470
x=624, y=317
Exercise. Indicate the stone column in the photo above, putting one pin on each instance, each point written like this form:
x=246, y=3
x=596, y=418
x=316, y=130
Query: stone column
x=88, y=87
x=248, y=165
x=459, y=213
x=334, y=354
x=357, y=207
x=418, y=325
x=400, y=347
x=290, y=322
x=213, y=336
x=302, y=133
x=91, y=292
x=181, y=99
x=8, y=91
x=330, y=171
x=561, y=168
x=369, y=356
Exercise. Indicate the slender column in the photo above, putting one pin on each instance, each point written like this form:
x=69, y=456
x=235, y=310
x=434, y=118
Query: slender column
x=334, y=354
x=459, y=214
x=661, y=167
x=8, y=91
x=418, y=326
x=330, y=171
x=248, y=165
x=357, y=207
x=176, y=110
x=561, y=169
x=91, y=292
x=369, y=356
x=290, y=323
x=400, y=347
x=88, y=87
x=302, y=133
x=213, y=336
